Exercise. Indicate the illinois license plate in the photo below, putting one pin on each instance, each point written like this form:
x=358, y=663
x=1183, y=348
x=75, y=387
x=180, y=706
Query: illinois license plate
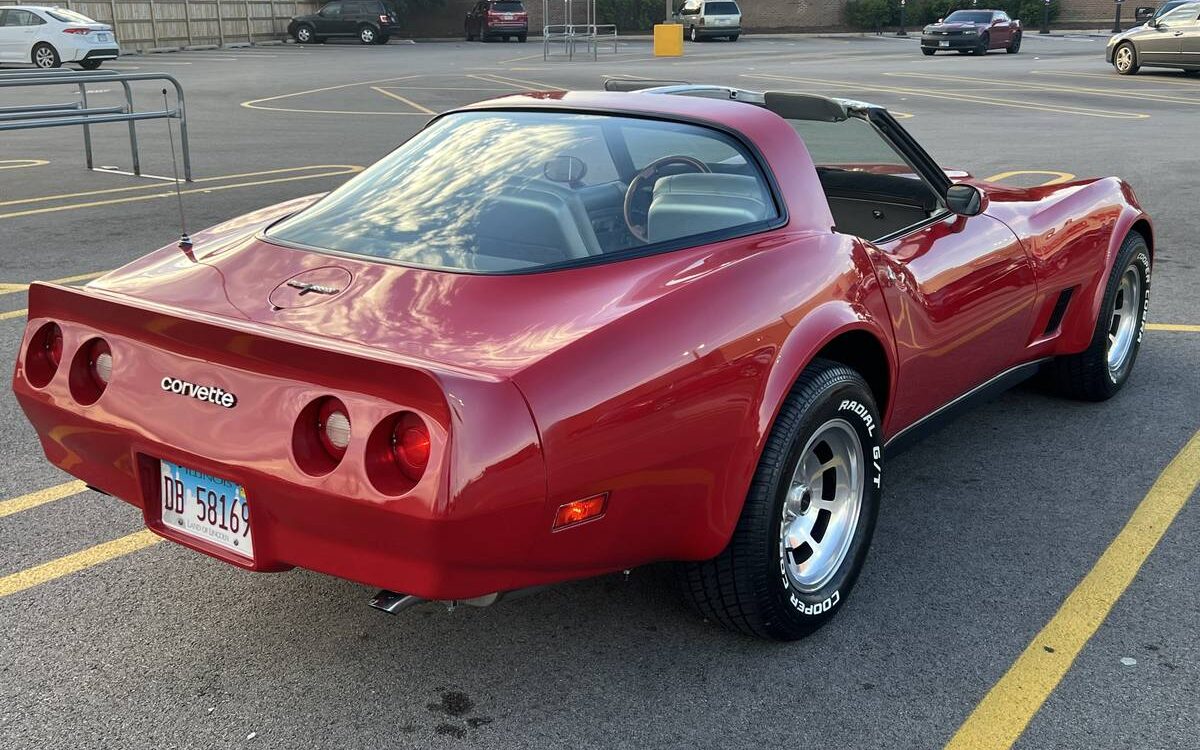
x=944, y=43
x=205, y=507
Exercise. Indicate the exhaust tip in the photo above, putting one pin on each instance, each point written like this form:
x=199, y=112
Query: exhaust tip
x=393, y=602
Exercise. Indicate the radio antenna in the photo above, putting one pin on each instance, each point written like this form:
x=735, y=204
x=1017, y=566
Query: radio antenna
x=185, y=242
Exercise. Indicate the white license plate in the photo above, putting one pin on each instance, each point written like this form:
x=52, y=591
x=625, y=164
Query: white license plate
x=724, y=21
x=944, y=43
x=508, y=16
x=102, y=37
x=206, y=507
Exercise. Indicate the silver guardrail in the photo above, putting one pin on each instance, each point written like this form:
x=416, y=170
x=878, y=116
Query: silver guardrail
x=78, y=112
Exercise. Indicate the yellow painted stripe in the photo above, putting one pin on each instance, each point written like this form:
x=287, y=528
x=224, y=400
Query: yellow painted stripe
x=13, y=314
x=64, y=566
x=404, y=100
x=1001, y=717
x=1179, y=327
x=1055, y=176
x=41, y=497
x=13, y=288
x=22, y=163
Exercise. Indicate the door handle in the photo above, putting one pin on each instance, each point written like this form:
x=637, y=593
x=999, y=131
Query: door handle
x=1178, y=33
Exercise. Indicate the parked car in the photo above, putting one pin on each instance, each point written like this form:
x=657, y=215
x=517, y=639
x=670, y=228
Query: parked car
x=370, y=21
x=709, y=19
x=1170, y=41
x=684, y=324
x=497, y=19
x=48, y=37
x=974, y=32
x=1145, y=14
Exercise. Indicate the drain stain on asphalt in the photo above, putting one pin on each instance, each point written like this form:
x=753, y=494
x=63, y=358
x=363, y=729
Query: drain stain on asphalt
x=454, y=703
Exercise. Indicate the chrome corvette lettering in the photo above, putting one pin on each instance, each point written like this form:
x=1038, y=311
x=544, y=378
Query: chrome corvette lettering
x=210, y=393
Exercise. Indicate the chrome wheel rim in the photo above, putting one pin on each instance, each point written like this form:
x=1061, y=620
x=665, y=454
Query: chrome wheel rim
x=44, y=57
x=367, y=36
x=1124, y=59
x=303, y=35
x=821, y=511
x=1122, y=329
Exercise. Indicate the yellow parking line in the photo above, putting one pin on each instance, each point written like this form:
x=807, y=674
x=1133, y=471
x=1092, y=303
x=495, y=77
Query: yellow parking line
x=1052, y=88
x=13, y=288
x=1177, y=327
x=1001, y=717
x=959, y=97
x=255, y=103
x=170, y=193
x=63, y=566
x=404, y=100
x=1058, y=177
x=22, y=163
x=198, y=180
x=13, y=314
x=41, y=497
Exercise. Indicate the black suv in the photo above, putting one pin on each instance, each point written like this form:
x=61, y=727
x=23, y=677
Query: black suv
x=372, y=21
x=497, y=19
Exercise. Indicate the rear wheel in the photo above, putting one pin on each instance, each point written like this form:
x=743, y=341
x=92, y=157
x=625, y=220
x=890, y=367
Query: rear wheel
x=45, y=56
x=1015, y=46
x=1125, y=60
x=807, y=522
x=368, y=34
x=733, y=37
x=89, y=64
x=521, y=38
x=1098, y=372
x=926, y=51
x=693, y=35
x=305, y=34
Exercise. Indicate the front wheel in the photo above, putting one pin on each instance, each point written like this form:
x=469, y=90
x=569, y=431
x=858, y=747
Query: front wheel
x=45, y=56
x=89, y=64
x=1098, y=372
x=368, y=35
x=733, y=37
x=984, y=43
x=521, y=38
x=1015, y=47
x=808, y=518
x=693, y=35
x=1125, y=60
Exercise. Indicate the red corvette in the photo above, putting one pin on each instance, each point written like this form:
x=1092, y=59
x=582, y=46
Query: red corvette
x=682, y=324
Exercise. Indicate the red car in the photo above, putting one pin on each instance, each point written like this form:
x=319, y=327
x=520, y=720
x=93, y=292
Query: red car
x=973, y=31
x=686, y=324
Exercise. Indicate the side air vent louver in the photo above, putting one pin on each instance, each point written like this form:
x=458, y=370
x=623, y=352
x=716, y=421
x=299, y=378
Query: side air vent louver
x=1060, y=309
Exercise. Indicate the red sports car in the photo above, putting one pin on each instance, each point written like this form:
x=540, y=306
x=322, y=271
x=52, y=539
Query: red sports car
x=681, y=324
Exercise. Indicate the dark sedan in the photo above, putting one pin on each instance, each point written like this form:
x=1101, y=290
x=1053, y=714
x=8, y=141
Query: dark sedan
x=973, y=31
x=1170, y=41
x=369, y=21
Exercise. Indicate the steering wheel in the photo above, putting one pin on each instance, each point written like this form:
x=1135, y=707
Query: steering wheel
x=641, y=189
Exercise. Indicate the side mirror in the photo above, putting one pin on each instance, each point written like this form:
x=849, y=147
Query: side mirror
x=940, y=20
x=964, y=200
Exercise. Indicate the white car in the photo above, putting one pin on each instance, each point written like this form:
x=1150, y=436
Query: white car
x=49, y=37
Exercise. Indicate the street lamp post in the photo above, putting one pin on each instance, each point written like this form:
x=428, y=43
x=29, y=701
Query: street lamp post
x=902, y=32
x=1045, y=18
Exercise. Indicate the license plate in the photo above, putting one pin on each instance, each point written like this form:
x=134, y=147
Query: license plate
x=205, y=507
x=724, y=22
x=508, y=16
x=944, y=43
x=102, y=37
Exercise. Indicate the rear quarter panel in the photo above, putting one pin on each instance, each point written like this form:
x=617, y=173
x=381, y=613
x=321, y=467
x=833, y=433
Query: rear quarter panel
x=668, y=408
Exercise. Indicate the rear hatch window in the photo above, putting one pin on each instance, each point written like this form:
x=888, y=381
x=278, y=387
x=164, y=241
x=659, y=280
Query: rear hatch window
x=721, y=9
x=508, y=7
x=510, y=191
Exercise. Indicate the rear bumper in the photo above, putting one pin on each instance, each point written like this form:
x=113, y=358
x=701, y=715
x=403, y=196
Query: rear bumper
x=515, y=27
x=452, y=536
x=108, y=53
x=714, y=31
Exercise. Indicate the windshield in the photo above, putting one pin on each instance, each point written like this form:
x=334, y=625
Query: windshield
x=509, y=190
x=68, y=16
x=969, y=16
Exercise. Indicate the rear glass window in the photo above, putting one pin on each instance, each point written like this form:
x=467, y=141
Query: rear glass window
x=510, y=191
x=508, y=7
x=68, y=16
x=721, y=9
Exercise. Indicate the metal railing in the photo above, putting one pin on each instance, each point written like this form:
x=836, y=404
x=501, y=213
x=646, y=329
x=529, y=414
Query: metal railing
x=78, y=112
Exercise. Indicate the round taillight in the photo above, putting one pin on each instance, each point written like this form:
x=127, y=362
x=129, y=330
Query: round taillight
x=90, y=371
x=410, y=443
x=321, y=436
x=398, y=452
x=44, y=355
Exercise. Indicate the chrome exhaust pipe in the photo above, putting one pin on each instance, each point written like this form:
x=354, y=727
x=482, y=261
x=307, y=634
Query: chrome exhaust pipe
x=393, y=602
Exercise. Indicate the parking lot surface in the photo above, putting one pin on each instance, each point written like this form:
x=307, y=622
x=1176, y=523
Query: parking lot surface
x=114, y=640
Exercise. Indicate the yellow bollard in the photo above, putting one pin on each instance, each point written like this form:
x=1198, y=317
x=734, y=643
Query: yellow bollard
x=668, y=40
